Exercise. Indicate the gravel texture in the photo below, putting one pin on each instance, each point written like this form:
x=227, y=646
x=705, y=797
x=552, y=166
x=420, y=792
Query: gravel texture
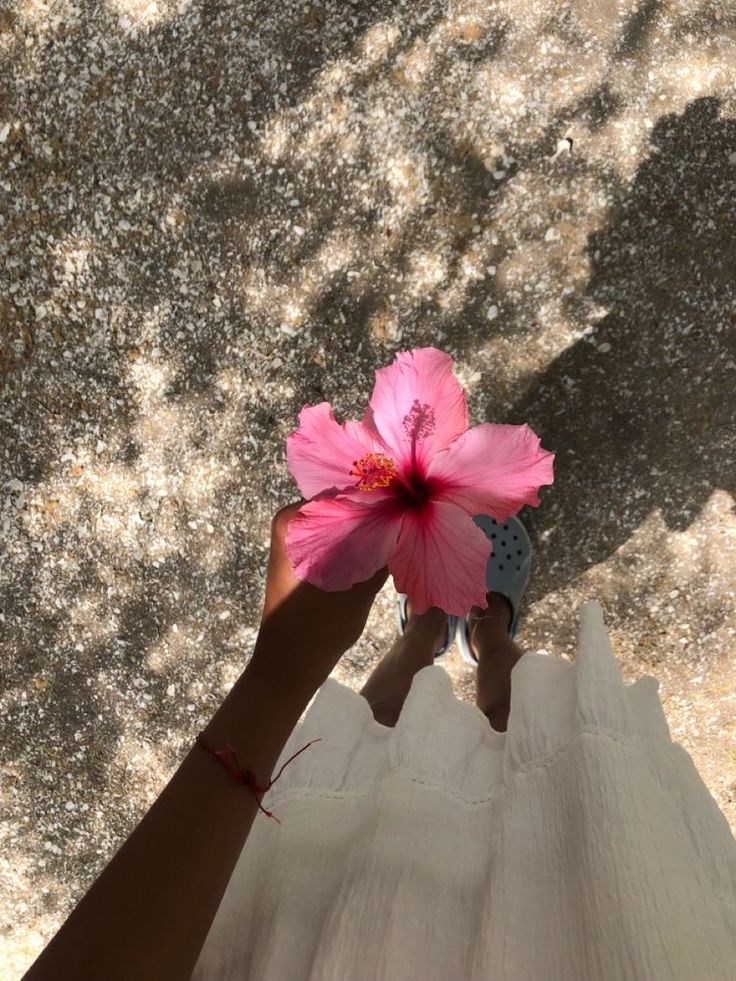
x=214, y=212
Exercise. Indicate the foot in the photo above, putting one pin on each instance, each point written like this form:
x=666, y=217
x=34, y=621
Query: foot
x=432, y=624
x=485, y=625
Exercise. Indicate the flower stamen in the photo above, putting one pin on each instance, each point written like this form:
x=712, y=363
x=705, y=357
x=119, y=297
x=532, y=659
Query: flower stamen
x=375, y=470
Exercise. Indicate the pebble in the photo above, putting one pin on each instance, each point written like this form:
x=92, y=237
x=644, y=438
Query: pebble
x=563, y=146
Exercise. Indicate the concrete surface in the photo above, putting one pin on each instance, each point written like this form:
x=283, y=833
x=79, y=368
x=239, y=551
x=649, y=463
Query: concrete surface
x=214, y=212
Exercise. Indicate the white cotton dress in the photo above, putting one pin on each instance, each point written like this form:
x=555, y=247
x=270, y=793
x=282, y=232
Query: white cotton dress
x=580, y=845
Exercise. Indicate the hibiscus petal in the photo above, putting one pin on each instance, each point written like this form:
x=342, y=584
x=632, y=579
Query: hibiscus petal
x=321, y=452
x=336, y=542
x=441, y=559
x=492, y=469
x=417, y=400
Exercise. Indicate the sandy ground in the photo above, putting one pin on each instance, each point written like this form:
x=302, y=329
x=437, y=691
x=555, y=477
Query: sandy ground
x=214, y=212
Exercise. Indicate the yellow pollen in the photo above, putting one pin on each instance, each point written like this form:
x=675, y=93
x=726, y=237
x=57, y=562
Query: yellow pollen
x=374, y=470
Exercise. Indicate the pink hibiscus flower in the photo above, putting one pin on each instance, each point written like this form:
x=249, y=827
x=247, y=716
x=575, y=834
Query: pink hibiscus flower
x=401, y=487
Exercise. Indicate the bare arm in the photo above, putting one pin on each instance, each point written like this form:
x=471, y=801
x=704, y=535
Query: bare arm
x=148, y=913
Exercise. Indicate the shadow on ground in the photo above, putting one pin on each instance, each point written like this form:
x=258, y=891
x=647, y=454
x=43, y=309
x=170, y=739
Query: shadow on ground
x=640, y=409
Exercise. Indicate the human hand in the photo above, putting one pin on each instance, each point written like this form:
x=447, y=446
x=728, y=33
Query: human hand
x=305, y=630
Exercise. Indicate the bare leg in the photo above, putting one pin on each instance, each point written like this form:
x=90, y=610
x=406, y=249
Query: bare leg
x=390, y=681
x=496, y=654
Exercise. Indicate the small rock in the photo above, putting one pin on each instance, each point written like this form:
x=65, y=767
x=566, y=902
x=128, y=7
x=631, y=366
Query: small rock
x=563, y=146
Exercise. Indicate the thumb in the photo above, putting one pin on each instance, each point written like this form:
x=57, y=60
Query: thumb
x=371, y=586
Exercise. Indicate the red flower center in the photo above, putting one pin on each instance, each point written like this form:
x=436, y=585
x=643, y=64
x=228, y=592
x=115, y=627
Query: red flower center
x=414, y=490
x=377, y=470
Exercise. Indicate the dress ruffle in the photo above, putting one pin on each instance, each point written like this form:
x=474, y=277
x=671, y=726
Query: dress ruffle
x=581, y=843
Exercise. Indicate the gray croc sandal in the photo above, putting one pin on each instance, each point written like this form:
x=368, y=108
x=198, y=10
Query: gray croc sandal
x=402, y=618
x=507, y=571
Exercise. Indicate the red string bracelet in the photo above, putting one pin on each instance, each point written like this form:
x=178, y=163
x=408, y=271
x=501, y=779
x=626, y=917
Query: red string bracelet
x=226, y=756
